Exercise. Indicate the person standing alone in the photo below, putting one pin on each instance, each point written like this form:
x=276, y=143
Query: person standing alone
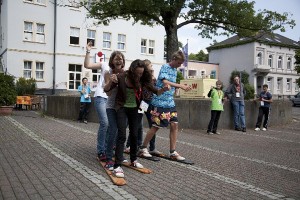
x=85, y=100
x=265, y=99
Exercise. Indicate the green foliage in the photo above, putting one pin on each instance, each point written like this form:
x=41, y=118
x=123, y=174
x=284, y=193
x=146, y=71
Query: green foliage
x=249, y=91
x=26, y=86
x=179, y=77
x=244, y=76
x=200, y=56
x=210, y=17
x=8, y=92
x=297, y=65
x=245, y=80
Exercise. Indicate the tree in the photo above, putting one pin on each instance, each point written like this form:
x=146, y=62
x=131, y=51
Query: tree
x=200, y=56
x=210, y=17
x=297, y=65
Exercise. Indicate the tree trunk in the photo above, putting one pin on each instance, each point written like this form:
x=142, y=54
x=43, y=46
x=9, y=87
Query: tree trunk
x=172, y=41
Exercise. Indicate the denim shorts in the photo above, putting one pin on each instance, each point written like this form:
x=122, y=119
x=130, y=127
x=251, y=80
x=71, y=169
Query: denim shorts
x=162, y=117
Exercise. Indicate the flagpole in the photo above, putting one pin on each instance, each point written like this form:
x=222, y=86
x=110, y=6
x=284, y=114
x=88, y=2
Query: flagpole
x=187, y=60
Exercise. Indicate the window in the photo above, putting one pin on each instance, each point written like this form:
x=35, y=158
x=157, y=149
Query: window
x=40, y=32
x=143, y=46
x=259, y=58
x=27, y=69
x=289, y=63
x=296, y=87
x=288, y=84
x=279, y=65
x=121, y=41
x=95, y=75
x=74, y=76
x=91, y=36
x=74, y=36
x=34, y=32
x=192, y=72
x=151, y=47
x=106, y=40
x=41, y=2
x=39, y=71
x=270, y=61
x=269, y=83
x=203, y=72
x=279, y=80
x=28, y=32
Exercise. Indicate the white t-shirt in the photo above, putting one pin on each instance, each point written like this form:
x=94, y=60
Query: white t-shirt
x=100, y=86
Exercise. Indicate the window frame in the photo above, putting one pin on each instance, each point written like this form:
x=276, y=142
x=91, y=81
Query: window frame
x=270, y=61
x=107, y=40
x=279, y=62
x=143, y=47
x=121, y=42
x=26, y=69
x=289, y=63
x=25, y=31
x=150, y=47
x=74, y=36
x=75, y=81
x=89, y=38
x=40, y=70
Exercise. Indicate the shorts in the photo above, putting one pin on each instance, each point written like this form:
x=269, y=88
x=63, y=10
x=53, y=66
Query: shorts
x=162, y=117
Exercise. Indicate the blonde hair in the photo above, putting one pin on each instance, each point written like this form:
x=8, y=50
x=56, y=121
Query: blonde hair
x=147, y=62
x=178, y=55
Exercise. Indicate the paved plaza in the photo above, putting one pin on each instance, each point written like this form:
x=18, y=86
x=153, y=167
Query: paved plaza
x=48, y=158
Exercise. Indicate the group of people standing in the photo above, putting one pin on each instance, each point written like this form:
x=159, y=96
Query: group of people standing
x=236, y=93
x=121, y=98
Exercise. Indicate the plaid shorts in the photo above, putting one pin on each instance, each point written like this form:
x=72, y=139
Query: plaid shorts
x=162, y=117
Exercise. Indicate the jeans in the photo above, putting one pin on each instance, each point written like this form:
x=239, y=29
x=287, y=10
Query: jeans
x=140, y=132
x=111, y=132
x=131, y=114
x=100, y=105
x=239, y=114
x=84, y=110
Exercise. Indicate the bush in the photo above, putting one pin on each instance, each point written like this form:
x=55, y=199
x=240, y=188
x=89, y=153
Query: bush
x=249, y=91
x=8, y=92
x=26, y=86
x=179, y=77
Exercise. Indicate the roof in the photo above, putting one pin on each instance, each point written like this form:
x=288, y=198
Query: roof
x=270, y=39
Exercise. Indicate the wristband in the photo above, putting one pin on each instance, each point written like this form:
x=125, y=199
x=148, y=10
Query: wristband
x=87, y=51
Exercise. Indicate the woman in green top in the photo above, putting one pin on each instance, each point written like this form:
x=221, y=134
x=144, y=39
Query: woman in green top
x=217, y=96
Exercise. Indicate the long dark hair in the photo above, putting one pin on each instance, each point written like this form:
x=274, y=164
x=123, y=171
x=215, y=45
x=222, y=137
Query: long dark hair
x=145, y=79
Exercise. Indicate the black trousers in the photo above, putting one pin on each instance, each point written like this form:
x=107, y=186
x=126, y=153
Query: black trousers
x=84, y=110
x=214, y=120
x=263, y=112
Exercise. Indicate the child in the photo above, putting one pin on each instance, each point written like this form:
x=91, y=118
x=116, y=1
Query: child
x=217, y=96
x=265, y=99
x=85, y=100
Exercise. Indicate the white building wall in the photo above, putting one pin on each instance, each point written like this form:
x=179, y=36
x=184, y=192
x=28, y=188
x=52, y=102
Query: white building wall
x=233, y=58
x=18, y=50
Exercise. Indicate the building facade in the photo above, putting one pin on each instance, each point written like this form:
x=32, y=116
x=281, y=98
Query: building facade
x=46, y=40
x=267, y=59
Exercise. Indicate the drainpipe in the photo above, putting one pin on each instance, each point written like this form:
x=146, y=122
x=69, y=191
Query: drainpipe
x=54, y=48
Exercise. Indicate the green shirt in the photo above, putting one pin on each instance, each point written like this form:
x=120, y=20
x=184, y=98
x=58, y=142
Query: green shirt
x=216, y=99
x=130, y=100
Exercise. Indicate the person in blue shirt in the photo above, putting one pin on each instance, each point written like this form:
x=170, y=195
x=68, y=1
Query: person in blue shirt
x=265, y=99
x=163, y=109
x=85, y=100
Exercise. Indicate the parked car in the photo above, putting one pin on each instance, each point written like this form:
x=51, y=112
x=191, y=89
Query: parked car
x=296, y=99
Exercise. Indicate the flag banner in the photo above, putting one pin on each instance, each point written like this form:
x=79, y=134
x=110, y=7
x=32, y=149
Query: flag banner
x=186, y=54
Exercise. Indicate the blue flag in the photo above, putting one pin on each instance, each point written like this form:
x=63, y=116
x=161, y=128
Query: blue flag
x=186, y=54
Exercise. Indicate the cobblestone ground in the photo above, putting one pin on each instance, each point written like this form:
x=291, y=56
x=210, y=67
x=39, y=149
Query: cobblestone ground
x=48, y=158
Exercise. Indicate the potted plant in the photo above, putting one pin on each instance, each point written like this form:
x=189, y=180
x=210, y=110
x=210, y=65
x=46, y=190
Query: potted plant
x=8, y=94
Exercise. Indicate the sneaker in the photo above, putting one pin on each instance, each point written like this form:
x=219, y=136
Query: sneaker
x=102, y=156
x=244, y=129
x=155, y=152
x=218, y=133
x=109, y=165
x=125, y=161
x=209, y=133
x=85, y=121
x=257, y=129
x=144, y=153
x=264, y=129
x=136, y=164
x=127, y=150
x=118, y=172
x=176, y=156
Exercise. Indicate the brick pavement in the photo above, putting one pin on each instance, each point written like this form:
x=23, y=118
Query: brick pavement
x=47, y=158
